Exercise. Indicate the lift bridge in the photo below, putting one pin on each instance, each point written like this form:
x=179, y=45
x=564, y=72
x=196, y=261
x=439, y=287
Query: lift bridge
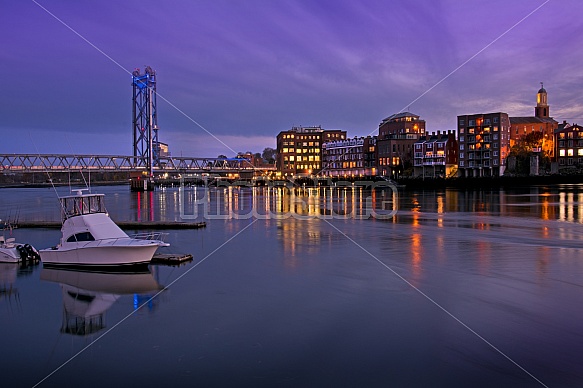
x=148, y=158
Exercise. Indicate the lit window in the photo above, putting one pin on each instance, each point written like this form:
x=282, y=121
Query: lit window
x=570, y=152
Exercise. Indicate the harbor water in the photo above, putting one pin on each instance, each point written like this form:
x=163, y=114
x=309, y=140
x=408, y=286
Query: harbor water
x=354, y=286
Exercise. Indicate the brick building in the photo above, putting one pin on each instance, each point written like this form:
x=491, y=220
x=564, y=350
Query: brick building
x=397, y=135
x=540, y=122
x=299, y=150
x=436, y=155
x=350, y=157
x=484, y=144
x=569, y=146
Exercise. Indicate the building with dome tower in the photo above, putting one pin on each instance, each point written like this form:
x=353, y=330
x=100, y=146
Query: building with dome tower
x=540, y=122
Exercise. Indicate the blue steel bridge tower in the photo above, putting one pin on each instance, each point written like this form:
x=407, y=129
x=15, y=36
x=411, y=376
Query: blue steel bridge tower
x=145, y=118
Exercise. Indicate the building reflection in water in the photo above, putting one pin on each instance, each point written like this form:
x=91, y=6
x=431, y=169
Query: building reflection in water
x=299, y=212
x=88, y=295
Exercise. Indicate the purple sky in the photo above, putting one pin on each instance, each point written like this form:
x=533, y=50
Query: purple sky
x=246, y=70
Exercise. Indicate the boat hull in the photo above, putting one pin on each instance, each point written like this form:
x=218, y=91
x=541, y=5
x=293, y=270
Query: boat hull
x=9, y=255
x=102, y=257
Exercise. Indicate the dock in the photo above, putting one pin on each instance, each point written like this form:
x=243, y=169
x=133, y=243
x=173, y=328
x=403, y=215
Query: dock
x=122, y=224
x=171, y=258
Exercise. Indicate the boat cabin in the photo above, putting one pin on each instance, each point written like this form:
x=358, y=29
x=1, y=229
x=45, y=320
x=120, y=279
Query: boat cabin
x=82, y=204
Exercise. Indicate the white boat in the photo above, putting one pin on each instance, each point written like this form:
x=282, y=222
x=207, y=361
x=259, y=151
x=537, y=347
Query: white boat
x=90, y=239
x=13, y=252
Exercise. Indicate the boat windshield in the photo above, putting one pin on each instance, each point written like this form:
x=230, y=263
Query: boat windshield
x=86, y=204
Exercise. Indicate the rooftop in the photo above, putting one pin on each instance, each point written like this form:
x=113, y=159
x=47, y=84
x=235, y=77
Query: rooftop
x=531, y=120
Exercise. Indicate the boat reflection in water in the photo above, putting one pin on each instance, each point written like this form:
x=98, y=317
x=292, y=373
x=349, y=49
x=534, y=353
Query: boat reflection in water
x=88, y=295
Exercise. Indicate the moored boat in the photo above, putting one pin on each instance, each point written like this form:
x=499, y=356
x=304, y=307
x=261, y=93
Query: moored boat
x=14, y=252
x=90, y=239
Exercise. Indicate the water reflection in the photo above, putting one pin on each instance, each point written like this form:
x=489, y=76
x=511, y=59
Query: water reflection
x=281, y=202
x=88, y=295
x=8, y=273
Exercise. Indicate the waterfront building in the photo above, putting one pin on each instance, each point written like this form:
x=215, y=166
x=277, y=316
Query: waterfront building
x=569, y=149
x=436, y=155
x=484, y=144
x=299, y=150
x=540, y=122
x=255, y=160
x=350, y=157
x=397, y=136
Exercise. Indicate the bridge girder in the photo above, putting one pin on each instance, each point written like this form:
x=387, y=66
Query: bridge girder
x=119, y=163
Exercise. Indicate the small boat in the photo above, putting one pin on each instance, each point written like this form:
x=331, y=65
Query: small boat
x=90, y=239
x=13, y=252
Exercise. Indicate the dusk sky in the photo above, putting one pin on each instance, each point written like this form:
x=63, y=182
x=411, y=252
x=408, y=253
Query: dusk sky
x=246, y=70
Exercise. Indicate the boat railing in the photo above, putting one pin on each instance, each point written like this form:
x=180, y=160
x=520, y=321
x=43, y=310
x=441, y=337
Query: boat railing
x=158, y=236
x=154, y=236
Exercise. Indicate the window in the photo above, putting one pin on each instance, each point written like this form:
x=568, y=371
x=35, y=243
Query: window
x=495, y=153
x=85, y=236
x=461, y=147
x=471, y=123
x=461, y=130
x=462, y=122
x=495, y=120
x=570, y=152
x=462, y=163
x=461, y=155
x=495, y=136
x=462, y=139
x=495, y=145
x=570, y=161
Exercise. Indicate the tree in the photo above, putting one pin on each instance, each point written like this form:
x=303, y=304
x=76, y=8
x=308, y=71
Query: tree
x=221, y=157
x=269, y=154
x=523, y=149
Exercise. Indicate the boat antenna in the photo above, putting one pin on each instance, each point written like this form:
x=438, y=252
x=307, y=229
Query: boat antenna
x=82, y=175
x=46, y=171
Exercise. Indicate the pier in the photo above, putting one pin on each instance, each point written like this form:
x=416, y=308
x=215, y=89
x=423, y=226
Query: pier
x=135, y=225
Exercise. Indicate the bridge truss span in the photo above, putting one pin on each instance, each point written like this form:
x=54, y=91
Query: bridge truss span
x=12, y=163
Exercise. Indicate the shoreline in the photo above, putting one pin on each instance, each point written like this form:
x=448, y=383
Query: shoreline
x=408, y=183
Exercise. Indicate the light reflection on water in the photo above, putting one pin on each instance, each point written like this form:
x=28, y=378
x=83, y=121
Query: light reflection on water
x=292, y=301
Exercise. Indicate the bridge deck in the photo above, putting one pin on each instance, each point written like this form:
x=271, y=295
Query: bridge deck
x=122, y=163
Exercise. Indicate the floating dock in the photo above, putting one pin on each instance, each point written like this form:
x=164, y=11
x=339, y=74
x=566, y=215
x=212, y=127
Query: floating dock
x=171, y=258
x=122, y=224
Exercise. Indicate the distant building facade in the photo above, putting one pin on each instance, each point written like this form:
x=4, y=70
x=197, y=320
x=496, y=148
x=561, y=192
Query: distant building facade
x=484, y=144
x=397, y=135
x=350, y=157
x=569, y=146
x=436, y=155
x=299, y=150
x=540, y=122
x=255, y=160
